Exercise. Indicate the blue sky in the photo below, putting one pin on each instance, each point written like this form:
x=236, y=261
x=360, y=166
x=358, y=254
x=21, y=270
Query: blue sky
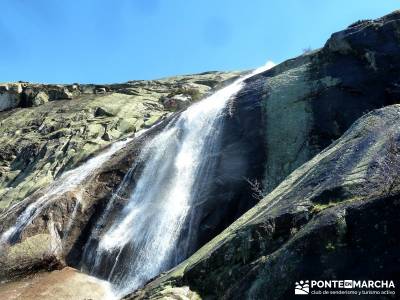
x=104, y=41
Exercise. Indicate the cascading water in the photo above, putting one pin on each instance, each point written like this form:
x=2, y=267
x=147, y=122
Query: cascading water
x=68, y=181
x=133, y=244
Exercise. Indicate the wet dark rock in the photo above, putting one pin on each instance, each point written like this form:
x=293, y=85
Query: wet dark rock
x=314, y=223
x=101, y=112
x=334, y=217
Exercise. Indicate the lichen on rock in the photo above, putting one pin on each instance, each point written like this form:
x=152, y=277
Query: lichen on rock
x=59, y=126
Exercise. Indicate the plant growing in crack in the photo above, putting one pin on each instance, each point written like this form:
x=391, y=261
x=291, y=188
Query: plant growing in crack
x=256, y=188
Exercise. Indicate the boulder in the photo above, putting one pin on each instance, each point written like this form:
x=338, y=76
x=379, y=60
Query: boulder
x=59, y=93
x=62, y=284
x=176, y=102
x=100, y=90
x=27, y=96
x=40, y=98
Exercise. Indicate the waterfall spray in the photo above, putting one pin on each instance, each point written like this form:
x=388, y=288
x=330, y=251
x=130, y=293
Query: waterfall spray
x=132, y=245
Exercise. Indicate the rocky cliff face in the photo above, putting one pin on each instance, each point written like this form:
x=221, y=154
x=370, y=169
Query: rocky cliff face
x=332, y=214
x=334, y=217
x=325, y=212
x=63, y=226
x=60, y=135
x=39, y=140
x=309, y=101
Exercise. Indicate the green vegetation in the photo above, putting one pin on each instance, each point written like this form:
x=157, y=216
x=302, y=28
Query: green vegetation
x=320, y=207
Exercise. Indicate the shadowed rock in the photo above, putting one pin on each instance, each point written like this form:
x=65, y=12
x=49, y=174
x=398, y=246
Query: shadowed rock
x=311, y=100
x=334, y=217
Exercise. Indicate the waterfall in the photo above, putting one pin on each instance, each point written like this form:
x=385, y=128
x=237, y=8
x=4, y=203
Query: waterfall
x=141, y=238
x=149, y=223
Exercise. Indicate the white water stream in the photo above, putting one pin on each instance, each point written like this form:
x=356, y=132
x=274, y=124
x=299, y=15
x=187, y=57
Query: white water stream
x=142, y=240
